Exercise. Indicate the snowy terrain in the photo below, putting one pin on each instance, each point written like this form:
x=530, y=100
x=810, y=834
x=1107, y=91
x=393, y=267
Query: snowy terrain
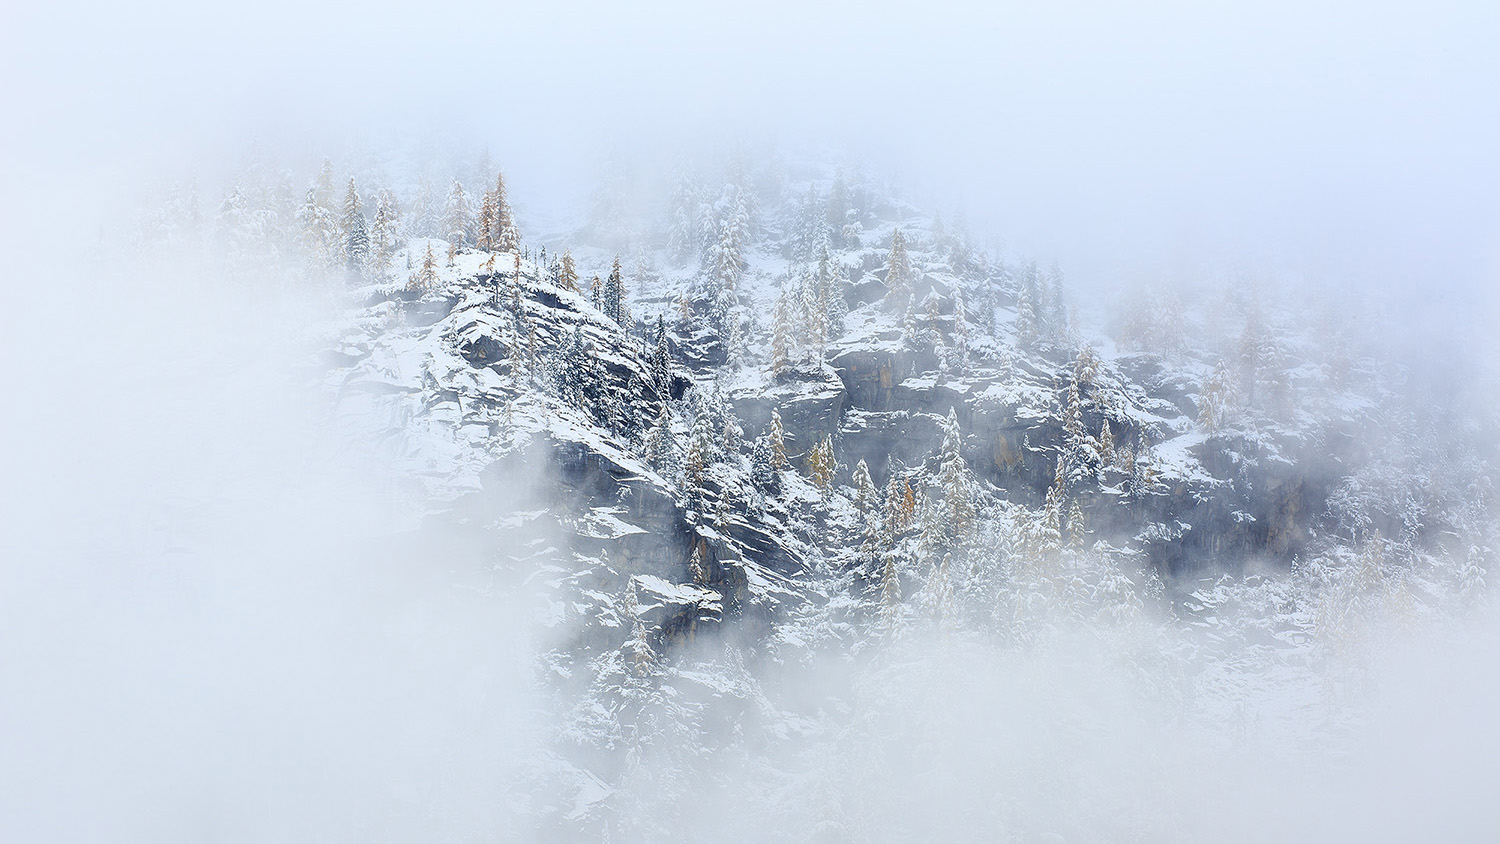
x=832, y=526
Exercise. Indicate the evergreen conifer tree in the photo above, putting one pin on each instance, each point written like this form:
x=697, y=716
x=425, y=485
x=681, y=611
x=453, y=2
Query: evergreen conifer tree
x=1216, y=405
x=777, y=438
x=639, y=653
x=900, y=506
x=866, y=497
x=661, y=358
x=1077, y=459
x=613, y=297
x=506, y=236
x=426, y=278
x=356, y=236
x=700, y=451
x=697, y=568
x=1075, y=525
x=568, y=275
x=781, y=337
x=486, y=222
x=659, y=447
x=320, y=232
x=837, y=209
x=821, y=465
x=762, y=464
x=946, y=521
x=384, y=231
x=890, y=595
x=1028, y=321
x=901, y=276
x=459, y=219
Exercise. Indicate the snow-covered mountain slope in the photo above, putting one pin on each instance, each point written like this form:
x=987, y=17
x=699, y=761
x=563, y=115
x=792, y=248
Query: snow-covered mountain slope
x=804, y=424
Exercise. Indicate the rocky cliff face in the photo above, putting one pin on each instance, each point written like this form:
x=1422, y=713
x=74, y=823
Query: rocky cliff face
x=706, y=483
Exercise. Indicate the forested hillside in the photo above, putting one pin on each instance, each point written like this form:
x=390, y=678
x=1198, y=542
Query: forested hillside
x=759, y=435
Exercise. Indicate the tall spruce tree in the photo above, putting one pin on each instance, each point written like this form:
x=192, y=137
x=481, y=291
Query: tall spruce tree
x=356, y=236
x=383, y=231
x=660, y=446
x=777, y=438
x=661, y=358
x=946, y=523
x=486, y=222
x=613, y=298
x=503, y=232
x=567, y=276
x=900, y=276
x=781, y=336
x=866, y=497
x=458, y=217
x=821, y=465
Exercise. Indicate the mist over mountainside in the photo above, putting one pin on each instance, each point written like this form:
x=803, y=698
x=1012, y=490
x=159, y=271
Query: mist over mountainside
x=843, y=422
x=795, y=480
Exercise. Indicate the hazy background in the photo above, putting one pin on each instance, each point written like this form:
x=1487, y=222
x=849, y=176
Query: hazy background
x=181, y=657
x=1333, y=140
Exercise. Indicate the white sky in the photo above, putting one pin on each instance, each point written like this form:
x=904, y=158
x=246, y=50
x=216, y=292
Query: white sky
x=1354, y=141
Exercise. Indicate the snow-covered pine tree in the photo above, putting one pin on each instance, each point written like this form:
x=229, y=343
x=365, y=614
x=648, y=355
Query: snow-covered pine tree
x=700, y=452
x=776, y=436
x=1217, y=404
x=659, y=448
x=1077, y=458
x=762, y=464
x=1107, y=455
x=866, y=497
x=661, y=358
x=937, y=594
x=1028, y=323
x=807, y=227
x=1086, y=368
x=821, y=464
x=814, y=310
x=521, y=329
x=458, y=219
x=1471, y=578
x=570, y=369
x=614, y=295
x=890, y=594
x=324, y=185
x=426, y=277
x=504, y=233
x=682, y=233
x=900, y=505
x=639, y=653
x=486, y=222
x=836, y=212
x=946, y=523
x=960, y=329
x=900, y=276
x=568, y=274
x=1047, y=537
x=733, y=436
x=427, y=216
x=781, y=336
x=697, y=568
x=836, y=310
x=1075, y=525
x=1055, y=316
x=383, y=231
x=319, y=232
x=726, y=257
